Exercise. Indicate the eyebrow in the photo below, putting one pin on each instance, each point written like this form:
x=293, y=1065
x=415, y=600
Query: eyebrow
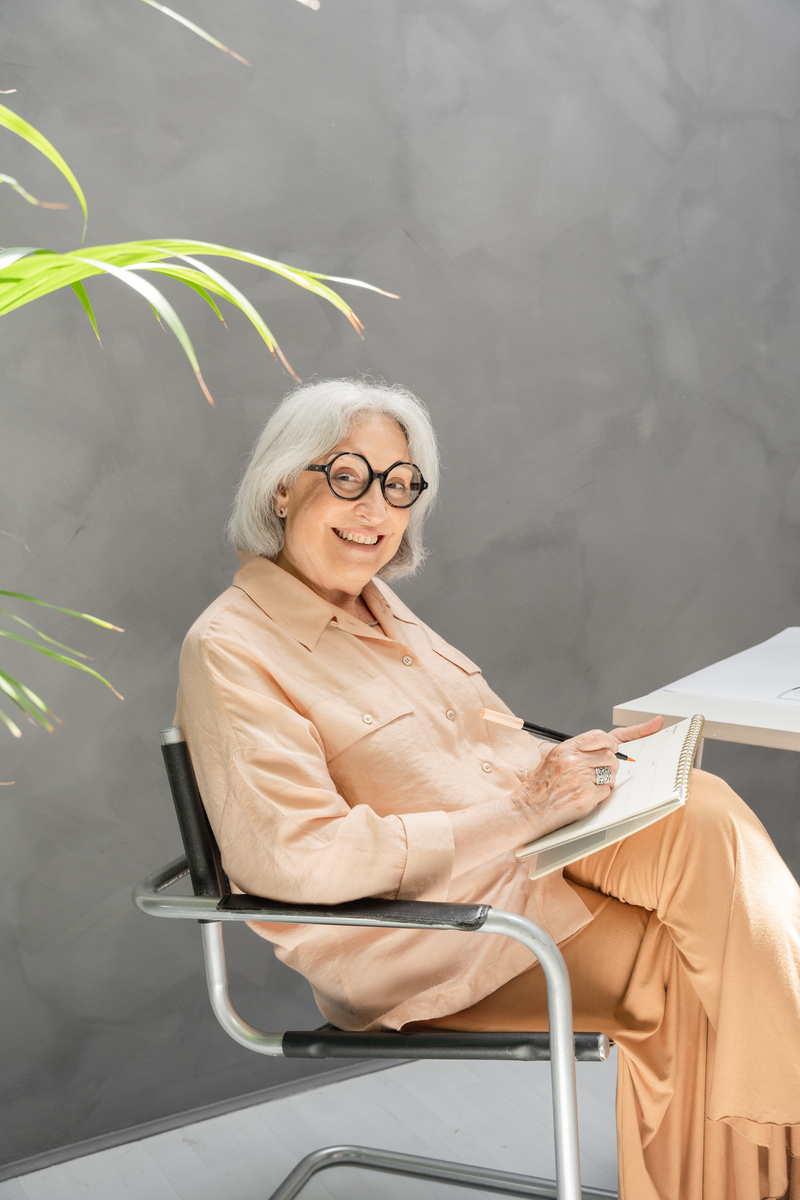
x=398, y=462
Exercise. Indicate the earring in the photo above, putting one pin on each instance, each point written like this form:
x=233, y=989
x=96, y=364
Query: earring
x=281, y=512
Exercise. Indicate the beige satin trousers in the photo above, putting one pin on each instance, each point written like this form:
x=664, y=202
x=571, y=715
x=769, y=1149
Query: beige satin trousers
x=691, y=963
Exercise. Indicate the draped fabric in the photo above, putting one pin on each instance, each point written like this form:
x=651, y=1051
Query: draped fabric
x=691, y=963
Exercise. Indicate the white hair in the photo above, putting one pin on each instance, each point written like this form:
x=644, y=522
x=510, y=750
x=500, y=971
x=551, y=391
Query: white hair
x=306, y=426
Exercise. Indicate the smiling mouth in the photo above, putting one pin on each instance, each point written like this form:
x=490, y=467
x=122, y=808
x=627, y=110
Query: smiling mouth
x=360, y=539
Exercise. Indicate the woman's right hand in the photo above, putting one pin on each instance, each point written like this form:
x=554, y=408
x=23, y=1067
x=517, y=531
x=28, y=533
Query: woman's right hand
x=560, y=789
x=563, y=787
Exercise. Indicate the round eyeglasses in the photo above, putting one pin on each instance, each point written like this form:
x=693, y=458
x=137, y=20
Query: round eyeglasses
x=350, y=477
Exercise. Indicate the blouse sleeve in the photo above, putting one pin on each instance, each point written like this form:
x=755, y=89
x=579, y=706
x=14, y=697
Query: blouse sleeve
x=283, y=829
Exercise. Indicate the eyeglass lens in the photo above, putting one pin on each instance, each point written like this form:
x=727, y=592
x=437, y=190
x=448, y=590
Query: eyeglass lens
x=349, y=476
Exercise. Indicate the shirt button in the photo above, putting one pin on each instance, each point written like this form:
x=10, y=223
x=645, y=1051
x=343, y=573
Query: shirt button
x=450, y=714
x=407, y=660
x=486, y=767
x=367, y=719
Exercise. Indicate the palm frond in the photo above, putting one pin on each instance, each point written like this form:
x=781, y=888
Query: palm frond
x=28, y=273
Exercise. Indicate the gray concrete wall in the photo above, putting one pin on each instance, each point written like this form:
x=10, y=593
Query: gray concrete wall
x=590, y=209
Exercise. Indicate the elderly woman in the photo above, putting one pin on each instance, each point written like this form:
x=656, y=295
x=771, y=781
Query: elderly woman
x=341, y=753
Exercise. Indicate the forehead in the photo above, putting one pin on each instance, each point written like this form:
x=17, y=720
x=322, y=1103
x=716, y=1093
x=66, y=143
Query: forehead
x=378, y=437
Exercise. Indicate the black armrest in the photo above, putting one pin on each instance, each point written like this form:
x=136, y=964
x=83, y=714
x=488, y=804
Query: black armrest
x=412, y=912
x=147, y=896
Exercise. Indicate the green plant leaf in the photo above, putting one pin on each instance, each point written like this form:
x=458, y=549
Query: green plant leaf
x=27, y=701
x=83, y=296
x=17, y=186
x=50, y=641
x=25, y=130
x=196, y=29
x=13, y=728
x=195, y=284
x=370, y=287
x=16, y=538
x=70, y=612
x=7, y=257
x=62, y=658
x=30, y=705
x=213, y=280
x=163, y=308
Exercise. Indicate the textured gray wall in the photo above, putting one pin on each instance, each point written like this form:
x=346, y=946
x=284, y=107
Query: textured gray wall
x=590, y=209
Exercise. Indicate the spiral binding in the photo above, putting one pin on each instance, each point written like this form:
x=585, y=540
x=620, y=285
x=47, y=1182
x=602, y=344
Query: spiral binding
x=684, y=772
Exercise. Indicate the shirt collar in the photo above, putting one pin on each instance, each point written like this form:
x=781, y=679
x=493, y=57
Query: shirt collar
x=304, y=614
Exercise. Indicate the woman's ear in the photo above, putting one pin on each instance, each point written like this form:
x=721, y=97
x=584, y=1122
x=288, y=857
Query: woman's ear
x=280, y=499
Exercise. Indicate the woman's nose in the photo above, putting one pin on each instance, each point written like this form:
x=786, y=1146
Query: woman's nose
x=372, y=502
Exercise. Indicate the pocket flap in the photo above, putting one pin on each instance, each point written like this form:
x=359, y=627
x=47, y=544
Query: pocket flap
x=455, y=656
x=359, y=710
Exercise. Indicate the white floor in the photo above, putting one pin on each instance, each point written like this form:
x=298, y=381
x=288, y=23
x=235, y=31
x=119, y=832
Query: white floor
x=494, y=1114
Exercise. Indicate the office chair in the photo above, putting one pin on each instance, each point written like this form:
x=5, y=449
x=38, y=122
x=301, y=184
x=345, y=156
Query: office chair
x=213, y=903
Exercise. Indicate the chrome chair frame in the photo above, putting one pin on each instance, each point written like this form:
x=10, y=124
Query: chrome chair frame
x=213, y=904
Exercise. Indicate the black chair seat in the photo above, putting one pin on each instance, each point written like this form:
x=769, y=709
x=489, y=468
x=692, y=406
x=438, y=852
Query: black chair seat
x=330, y=1042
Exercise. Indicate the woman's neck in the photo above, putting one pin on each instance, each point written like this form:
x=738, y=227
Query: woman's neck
x=353, y=605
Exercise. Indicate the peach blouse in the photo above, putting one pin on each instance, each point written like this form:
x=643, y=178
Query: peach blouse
x=329, y=756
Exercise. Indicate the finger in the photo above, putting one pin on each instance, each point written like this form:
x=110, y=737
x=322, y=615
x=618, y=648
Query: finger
x=603, y=765
x=629, y=733
x=595, y=739
x=569, y=758
x=570, y=761
x=599, y=758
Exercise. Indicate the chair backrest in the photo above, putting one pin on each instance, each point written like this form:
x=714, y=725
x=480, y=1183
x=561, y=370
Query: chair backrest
x=202, y=852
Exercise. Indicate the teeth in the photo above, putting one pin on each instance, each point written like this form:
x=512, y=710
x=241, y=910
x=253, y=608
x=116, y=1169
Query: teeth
x=356, y=537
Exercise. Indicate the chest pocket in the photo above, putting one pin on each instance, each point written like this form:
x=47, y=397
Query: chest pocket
x=355, y=713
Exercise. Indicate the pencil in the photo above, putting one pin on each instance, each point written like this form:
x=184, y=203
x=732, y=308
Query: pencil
x=499, y=718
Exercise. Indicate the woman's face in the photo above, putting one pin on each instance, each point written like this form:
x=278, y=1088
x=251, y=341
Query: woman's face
x=318, y=546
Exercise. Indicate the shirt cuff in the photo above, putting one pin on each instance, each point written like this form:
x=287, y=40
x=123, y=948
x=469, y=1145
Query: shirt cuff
x=430, y=852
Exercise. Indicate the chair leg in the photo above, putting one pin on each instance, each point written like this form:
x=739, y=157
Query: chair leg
x=562, y=1077
x=433, y=1169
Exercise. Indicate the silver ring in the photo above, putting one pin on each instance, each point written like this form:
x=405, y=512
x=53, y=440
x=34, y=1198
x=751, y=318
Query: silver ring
x=603, y=775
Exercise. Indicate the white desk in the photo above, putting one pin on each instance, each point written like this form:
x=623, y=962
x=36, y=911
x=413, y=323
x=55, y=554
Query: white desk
x=740, y=696
x=752, y=722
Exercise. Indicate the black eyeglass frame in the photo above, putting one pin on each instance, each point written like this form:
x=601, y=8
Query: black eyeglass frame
x=325, y=469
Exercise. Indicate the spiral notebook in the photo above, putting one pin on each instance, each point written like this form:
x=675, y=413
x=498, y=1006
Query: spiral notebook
x=645, y=791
